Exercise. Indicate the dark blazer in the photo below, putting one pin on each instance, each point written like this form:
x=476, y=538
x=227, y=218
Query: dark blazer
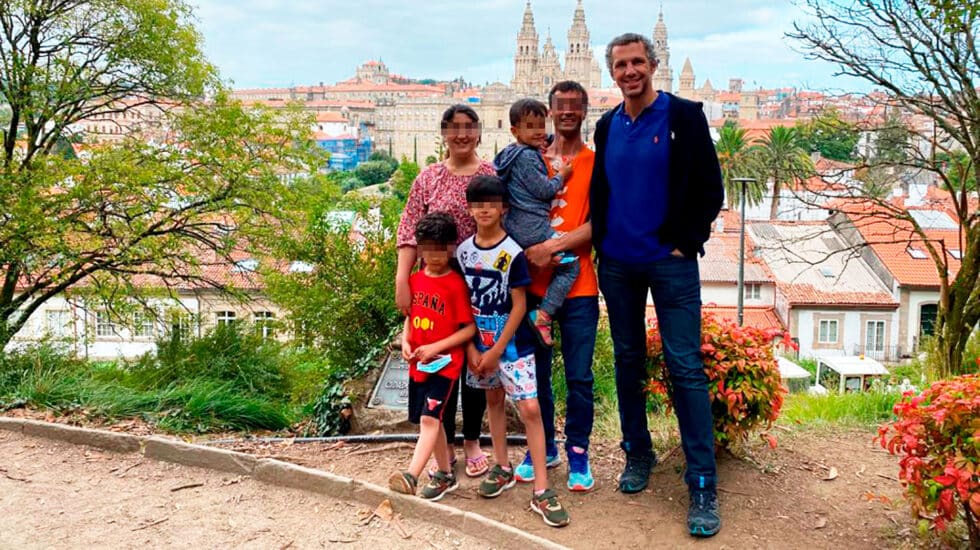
x=695, y=192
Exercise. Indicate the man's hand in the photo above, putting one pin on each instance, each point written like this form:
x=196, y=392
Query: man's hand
x=426, y=353
x=406, y=350
x=542, y=255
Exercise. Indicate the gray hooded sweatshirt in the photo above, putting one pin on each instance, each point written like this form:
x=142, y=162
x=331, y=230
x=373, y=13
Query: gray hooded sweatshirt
x=530, y=192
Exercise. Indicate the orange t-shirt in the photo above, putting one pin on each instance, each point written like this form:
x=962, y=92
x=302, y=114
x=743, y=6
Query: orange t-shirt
x=569, y=210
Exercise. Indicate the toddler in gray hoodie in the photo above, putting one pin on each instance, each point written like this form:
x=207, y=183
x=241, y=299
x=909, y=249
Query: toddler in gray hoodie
x=530, y=192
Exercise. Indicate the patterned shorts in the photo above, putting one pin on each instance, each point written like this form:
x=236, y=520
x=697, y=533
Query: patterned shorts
x=517, y=378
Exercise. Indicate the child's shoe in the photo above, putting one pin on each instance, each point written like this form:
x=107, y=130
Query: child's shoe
x=579, y=471
x=403, y=482
x=496, y=482
x=525, y=470
x=552, y=512
x=439, y=485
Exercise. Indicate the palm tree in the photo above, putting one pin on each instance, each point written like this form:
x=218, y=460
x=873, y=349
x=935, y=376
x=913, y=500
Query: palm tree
x=735, y=154
x=783, y=159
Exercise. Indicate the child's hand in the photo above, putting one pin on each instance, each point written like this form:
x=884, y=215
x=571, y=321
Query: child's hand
x=426, y=353
x=473, y=357
x=490, y=362
x=406, y=350
x=565, y=171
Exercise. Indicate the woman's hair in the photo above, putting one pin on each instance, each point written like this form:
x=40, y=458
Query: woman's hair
x=448, y=114
x=436, y=228
x=485, y=188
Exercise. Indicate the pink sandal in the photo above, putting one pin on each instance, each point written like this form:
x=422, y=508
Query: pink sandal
x=476, y=466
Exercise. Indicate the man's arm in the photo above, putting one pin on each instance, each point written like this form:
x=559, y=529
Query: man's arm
x=542, y=254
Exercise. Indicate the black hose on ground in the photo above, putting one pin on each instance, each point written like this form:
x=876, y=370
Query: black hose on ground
x=365, y=438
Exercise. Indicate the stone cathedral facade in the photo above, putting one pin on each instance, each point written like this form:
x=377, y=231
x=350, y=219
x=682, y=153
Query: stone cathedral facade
x=536, y=69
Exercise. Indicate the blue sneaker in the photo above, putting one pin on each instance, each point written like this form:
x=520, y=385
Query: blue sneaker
x=524, y=472
x=579, y=471
x=703, y=519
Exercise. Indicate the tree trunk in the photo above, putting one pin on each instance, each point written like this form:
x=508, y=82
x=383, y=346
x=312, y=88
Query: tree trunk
x=774, y=210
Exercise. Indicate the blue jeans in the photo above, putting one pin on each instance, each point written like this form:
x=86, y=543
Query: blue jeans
x=676, y=289
x=577, y=320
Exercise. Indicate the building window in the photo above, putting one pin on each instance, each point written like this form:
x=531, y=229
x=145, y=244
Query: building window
x=874, y=336
x=225, y=317
x=828, y=331
x=56, y=323
x=143, y=325
x=104, y=325
x=753, y=292
x=264, y=321
x=916, y=253
x=927, y=319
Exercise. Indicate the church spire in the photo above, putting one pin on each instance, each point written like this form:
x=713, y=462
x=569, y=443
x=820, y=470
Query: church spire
x=526, y=58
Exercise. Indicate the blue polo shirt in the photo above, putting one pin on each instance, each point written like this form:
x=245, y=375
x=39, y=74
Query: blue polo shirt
x=638, y=167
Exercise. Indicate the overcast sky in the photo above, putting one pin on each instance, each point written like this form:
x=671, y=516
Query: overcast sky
x=260, y=43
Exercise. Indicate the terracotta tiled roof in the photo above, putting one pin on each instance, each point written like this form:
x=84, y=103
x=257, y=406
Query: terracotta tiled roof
x=330, y=116
x=894, y=242
x=720, y=261
x=813, y=266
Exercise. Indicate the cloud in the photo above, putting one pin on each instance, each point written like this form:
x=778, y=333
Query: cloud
x=273, y=43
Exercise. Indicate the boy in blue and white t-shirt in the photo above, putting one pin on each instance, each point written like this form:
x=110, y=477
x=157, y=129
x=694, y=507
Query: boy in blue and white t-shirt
x=501, y=356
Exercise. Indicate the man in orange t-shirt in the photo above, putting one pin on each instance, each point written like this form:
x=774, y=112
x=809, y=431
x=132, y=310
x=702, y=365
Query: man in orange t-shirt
x=579, y=315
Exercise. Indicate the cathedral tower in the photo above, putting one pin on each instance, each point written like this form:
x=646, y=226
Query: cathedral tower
x=663, y=78
x=580, y=64
x=526, y=78
x=686, y=88
x=549, y=67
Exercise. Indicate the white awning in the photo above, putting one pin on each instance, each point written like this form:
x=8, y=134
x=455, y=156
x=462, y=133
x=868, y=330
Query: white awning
x=854, y=365
x=789, y=369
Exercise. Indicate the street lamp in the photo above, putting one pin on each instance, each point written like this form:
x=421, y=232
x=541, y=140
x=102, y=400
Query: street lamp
x=741, y=250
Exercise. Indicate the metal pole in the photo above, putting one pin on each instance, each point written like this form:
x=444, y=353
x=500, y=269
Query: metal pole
x=741, y=252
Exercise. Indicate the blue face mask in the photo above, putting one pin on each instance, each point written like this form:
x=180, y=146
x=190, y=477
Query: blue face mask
x=436, y=364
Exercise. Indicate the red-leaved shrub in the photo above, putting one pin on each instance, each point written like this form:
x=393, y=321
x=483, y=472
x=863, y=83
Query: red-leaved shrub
x=938, y=434
x=743, y=377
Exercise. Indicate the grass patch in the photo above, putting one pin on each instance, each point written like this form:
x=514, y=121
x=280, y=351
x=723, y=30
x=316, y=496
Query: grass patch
x=228, y=380
x=861, y=409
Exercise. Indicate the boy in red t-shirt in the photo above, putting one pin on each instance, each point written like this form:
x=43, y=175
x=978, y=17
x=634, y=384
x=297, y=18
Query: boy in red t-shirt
x=439, y=324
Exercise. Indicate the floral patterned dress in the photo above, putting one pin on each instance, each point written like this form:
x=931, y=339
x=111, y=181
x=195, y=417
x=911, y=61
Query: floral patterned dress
x=436, y=189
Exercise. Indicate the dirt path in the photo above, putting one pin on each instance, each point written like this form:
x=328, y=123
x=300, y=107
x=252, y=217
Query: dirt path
x=55, y=495
x=779, y=499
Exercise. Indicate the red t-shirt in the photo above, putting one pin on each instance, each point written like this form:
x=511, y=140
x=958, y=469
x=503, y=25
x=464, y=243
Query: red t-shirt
x=440, y=307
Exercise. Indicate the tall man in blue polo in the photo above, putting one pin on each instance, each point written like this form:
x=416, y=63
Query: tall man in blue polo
x=656, y=188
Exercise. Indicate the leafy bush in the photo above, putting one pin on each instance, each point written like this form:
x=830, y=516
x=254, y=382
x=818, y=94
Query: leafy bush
x=743, y=378
x=938, y=434
x=374, y=172
x=233, y=354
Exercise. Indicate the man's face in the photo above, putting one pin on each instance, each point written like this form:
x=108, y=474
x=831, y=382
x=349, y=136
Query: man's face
x=631, y=69
x=568, y=112
x=531, y=130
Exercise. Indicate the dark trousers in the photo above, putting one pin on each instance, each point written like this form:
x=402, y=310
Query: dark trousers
x=474, y=405
x=577, y=319
x=676, y=289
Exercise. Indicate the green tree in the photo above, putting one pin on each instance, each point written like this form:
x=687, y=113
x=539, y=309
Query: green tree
x=781, y=156
x=735, y=155
x=136, y=209
x=892, y=142
x=830, y=135
x=374, y=172
x=924, y=57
